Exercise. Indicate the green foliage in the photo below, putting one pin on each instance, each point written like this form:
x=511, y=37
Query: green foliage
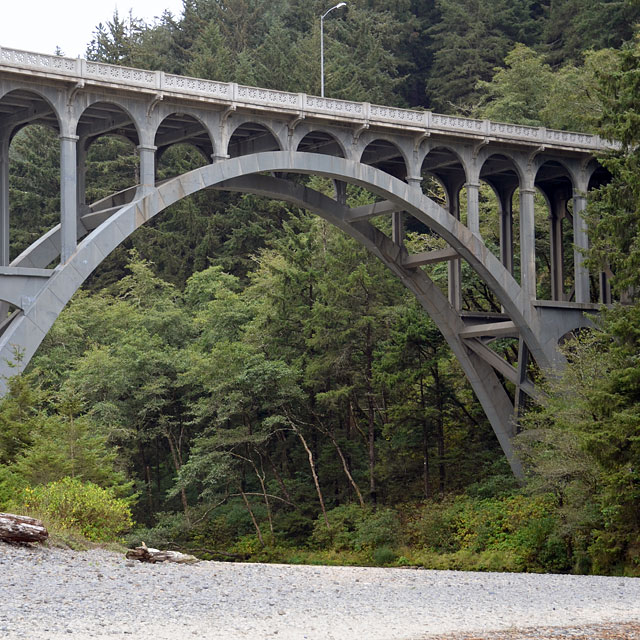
x=528, y=91
x=18, y=411
x=469, y=40
x=247, y=361
x=575, y=25
x=384, y=556
x=70, y=504
x=357, y=529
x=523, y=528
x=614, y=212
x=582, y=444
x=519, y=91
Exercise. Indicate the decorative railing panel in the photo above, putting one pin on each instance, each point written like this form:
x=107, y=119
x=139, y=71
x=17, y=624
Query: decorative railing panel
x=120, y=75
x=40, y=61
x=335, y=107
x=392, y=114
x=211, y=88
x=268, y=97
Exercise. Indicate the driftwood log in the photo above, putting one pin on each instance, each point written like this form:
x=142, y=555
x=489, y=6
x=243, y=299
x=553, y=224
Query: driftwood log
x=15, y=528
x=147, y=554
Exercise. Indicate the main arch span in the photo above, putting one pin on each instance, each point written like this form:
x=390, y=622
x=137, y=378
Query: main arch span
x=249, y=136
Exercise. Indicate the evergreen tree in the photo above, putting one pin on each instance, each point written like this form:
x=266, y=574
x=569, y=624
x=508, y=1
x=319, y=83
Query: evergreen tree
x=469, y=40
x=614, y=210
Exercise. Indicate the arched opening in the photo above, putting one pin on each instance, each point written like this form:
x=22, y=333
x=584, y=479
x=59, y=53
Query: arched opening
x=497, y=225
x=555, y=225
x=183, y=143
x=321, y=142
x=30, y=177
x=233, y=173
x=108, y=160
x=443, y=176
x=251, y=138
x=386, y=156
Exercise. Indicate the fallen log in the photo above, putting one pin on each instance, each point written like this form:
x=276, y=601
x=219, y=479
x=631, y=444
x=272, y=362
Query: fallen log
x=147, y=554
x=15, y=528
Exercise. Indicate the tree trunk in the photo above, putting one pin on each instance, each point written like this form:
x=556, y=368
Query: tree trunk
x=425, y=442
x=14, y=528
x=441, y=462
x=313, y=473
x=345, y=466
x=278, y=478
x=175, y=456
x=253, y=518
x=371, y=420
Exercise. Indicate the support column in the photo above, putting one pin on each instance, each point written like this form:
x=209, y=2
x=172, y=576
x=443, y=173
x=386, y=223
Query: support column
x=4, y=213
x=527, y=242
x=605, y=288
x=81, y=150
x=398, y=217
x=147, y=166
x=68, y=197
x=340, y=189
x=473, y=207
x=397, y=227
x=557, y=214
x=4, y=200
x=506, y=227
x=580, y=241
x=521, y=398
x=454, y=267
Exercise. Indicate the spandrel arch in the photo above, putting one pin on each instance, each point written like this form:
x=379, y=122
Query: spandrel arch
x=250, y=137
x=180, y=128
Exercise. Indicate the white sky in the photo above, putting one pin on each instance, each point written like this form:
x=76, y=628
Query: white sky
x=41, y=25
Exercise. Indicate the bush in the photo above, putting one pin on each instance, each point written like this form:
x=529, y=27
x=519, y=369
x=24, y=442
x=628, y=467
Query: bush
x=170, y=528
x=384, y=556
x=343, y=522
x=71, y=504
x=434, y=526
x=378, y=529
x=355, y=529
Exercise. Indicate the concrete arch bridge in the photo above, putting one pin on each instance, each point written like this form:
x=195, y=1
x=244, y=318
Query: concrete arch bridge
x=253, y=139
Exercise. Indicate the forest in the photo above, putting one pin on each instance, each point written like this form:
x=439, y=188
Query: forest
x=243, y=381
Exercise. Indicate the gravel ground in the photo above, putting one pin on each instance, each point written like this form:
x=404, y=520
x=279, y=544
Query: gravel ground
x=49, y=594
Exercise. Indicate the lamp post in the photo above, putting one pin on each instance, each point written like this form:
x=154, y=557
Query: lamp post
x=322, y=17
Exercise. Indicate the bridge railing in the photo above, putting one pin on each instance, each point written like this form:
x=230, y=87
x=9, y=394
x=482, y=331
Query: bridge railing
x=299, y=103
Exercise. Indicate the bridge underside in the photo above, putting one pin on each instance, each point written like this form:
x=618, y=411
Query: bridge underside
x=246, y=150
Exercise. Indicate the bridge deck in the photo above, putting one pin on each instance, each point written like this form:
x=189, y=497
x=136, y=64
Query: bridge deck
x=300, y=105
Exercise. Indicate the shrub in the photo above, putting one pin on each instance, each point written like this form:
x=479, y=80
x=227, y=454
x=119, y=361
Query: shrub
x=343, y=521
x=170, y=528
x=355, y=529
x=378, y=529
x=434, y=526
x=384, y=555
x=71, y=504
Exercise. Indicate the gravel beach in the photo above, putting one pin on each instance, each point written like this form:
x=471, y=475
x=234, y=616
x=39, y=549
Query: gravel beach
x=49, y=594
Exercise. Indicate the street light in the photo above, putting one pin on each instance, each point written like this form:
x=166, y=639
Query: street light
x=322, y=17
